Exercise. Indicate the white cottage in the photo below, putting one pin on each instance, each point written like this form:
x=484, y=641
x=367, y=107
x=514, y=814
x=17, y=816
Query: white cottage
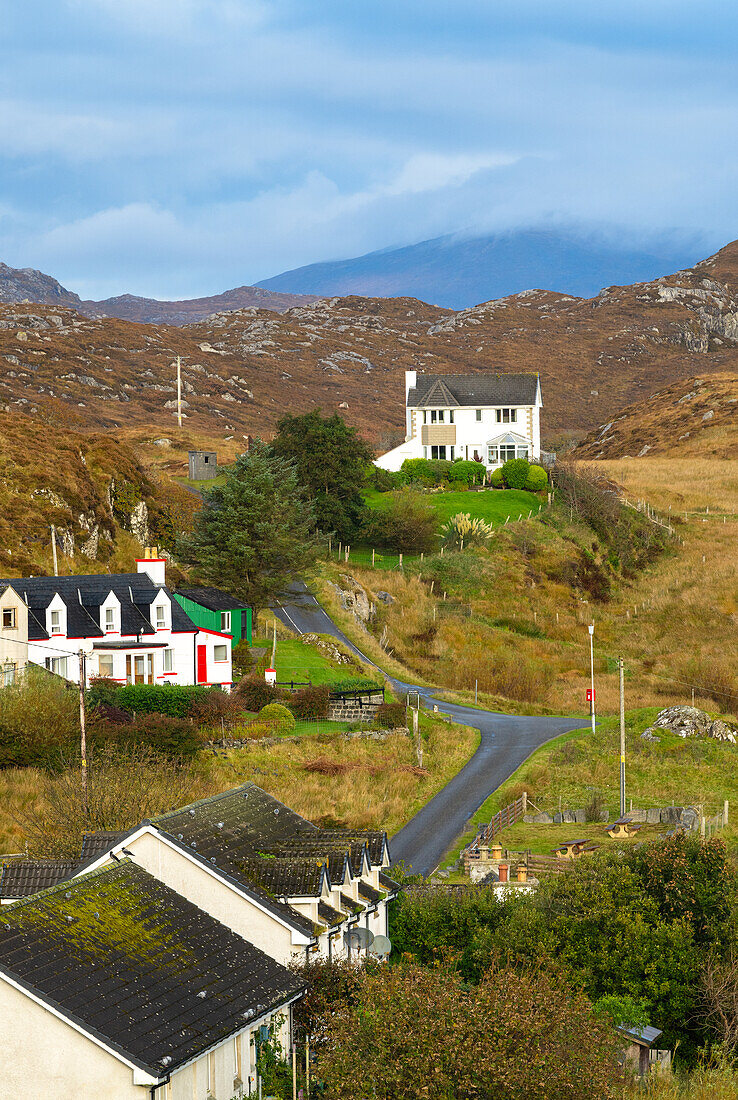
x=486, y=418
x=128, y=626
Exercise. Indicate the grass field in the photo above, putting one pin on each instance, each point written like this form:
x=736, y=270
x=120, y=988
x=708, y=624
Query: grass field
x=304, y=663
x=579, y=767
x=491, y=505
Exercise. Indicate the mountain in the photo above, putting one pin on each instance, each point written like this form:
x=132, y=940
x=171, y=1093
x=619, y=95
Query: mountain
x=695, y=418
x=243, y=369
x=458, y=271
x=28, y=285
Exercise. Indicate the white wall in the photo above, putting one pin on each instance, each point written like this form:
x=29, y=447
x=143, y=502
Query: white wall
x=471, y=434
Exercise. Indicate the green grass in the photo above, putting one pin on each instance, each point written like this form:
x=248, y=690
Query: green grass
x=302, y=663
x=568, y=772
x=491, y=505
x=200, y=483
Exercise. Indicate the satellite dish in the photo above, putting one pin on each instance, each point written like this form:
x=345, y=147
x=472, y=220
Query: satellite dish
x=381, y=947
x=360, y=937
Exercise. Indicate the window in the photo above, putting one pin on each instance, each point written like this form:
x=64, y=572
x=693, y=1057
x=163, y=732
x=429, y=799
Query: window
x=451, y=455
x=55, y=622
x=161, y=617
x=57, y=665
x=437, y=416
x=492, y=456
x=169, y=660
x=450, y=416
x=220, y=653
x=109, y=618
x=225, y=622
x=507, y=450
x=507, y=416
x=524, y=451
x=105, y=664
x=479, y=415
x=438, y=452
x=7, y=673
x=8, y=618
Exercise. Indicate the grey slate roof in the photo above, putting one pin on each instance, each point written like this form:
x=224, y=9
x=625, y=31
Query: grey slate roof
x=212, y=598
x=22, y=877
x=135, y=591
x=139, y=966
x=94, y=844
x=644, y=1036
x=473, y=390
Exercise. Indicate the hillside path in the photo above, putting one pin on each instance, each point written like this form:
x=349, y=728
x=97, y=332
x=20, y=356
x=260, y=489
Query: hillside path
x=506, y=741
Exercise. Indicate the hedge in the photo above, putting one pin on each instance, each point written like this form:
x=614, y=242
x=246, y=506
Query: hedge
x=176, y=737
x=391, y=715
x=173, y=700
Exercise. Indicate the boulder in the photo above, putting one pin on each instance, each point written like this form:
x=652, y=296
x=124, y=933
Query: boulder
x=538, y=819
x=558, y=819
x=605, y=816
x=580, y=816
x=385, y=597
x=568, y=817
x=653, y=816
x=690, y=817
x=648, y=735
x=671, y=815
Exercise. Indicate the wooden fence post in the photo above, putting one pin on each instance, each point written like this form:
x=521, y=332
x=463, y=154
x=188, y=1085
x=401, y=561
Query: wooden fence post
x=372, y=559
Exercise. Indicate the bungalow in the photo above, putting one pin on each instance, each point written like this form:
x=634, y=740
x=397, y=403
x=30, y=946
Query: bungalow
x=113, y=985
x=488, y=418
x=124, y=626
x=289, y=887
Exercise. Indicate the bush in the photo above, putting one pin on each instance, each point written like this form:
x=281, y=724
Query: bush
x=461, y=530
x=391, y=715
x=310, y=702
x=515, y=472
x=172, y=737
x=537, y=479
x=496, y=479
x=174, y=700
x=243, y=659
x=39, y=720
x=406, y=523
x=102, y=690
x=277, y=712
x=356, y=683
x=467, y=472
x=425, y=471
x=254, y=692
x=384, y=481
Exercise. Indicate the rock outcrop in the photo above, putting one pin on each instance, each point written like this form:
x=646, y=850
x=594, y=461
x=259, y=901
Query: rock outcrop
x=687, y=721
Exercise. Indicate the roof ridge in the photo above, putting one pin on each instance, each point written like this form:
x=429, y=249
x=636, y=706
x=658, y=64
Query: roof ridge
x=204, y=802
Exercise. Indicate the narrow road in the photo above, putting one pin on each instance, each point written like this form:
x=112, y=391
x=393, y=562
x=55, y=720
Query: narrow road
x=506, y=741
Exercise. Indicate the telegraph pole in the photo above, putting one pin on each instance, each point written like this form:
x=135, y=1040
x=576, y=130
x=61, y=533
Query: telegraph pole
x=83, y=733
x=592, y=671
x=179, y=391
x=622, y=736
x=53, y=550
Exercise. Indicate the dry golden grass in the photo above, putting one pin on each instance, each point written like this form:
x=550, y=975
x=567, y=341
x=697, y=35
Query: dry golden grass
x=718, y=1083
x=690, y=484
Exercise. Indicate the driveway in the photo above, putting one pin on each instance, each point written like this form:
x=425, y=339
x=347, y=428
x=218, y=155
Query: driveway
x=506, y=741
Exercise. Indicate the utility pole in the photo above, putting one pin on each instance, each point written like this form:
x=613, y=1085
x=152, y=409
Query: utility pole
x=179, y=391
x=621, y=667
x=83, y=732
x=53, y=550
x=274, y=644
x=592, y=672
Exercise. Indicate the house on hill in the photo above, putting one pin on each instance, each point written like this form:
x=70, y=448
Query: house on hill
x=486, y=418
x=114, y=985
x=128, y=625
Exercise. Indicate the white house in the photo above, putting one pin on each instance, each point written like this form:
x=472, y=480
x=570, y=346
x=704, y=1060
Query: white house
x=488, y=418
x=128, y=626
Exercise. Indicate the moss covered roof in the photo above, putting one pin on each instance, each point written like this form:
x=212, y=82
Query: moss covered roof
x=139, y=966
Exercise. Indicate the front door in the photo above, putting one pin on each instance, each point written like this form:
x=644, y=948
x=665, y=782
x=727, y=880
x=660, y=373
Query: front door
x=139, y=665
x=202, y=664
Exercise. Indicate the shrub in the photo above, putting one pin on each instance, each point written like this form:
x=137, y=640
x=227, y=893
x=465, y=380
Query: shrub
x=310, y=702
x=215, y=704
x=515, y=472
x=277, y=712
x=467, y=472
x=243, y=659
x=39, y=720
x=355, y=683
x=254, y=692
x=384, y=481
x=462, y=530
x=537, y=479
x=102, y=689
x=406, y=523
x=496, y=479
x=174, y=700
x=425, y=471
x=172, y=737
x=391, y=715
x=110, y=713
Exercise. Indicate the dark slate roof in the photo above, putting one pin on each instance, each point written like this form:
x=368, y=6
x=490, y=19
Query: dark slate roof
x=139, y=966
x=388, y=883
x=352, y=906
x=473, y=389
x=375, y=841
x=83, y=597
x=330, y=915
x=22, y=877
x=286, y=878
x=94, y=844
x=212, y=598
x=369, y=893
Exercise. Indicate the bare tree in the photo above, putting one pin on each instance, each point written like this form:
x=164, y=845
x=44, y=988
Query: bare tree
x=719, y=1012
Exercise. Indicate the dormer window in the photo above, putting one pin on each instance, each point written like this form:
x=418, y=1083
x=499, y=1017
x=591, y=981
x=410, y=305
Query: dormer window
x=55, y=620
x=161, y=616
x=109, y=618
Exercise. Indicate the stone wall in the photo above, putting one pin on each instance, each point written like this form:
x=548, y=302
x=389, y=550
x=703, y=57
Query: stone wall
x=664, y=815
x=360, y=708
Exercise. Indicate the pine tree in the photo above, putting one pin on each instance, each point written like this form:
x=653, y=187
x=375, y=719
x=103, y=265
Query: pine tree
x=255, y=533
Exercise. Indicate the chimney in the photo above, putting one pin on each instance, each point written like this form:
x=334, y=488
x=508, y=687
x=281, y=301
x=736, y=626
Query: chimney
x=502, y=872
x=411, y=379
x=152, y=564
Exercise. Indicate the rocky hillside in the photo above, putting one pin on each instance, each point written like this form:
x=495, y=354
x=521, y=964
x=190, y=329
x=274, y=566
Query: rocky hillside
x=28, y=285
x=92, y=488
x=244, y=368
x=695, y=417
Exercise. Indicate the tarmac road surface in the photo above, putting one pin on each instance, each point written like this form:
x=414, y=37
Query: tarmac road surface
x=506, y=741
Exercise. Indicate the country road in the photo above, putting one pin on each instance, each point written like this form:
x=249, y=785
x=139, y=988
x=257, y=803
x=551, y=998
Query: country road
x=506, y=741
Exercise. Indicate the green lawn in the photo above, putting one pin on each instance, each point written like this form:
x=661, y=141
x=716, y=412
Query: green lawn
x=491, y=505
x=300, y=662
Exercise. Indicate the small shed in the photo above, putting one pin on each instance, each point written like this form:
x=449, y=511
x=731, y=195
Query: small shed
x=203, y=465
x=638, y=1052
x=213, y=609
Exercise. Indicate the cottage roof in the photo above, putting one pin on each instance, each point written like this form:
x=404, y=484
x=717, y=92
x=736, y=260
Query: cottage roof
x=643, y=1036
x=329, y=915
x=84, y=595
x=138, y=966
x=473, y=390
x=94, y=844
x=21, y=877
x=212, y=598
x=293, y=878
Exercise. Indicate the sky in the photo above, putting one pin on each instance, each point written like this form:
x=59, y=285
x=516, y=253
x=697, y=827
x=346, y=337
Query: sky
x=176, y=148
